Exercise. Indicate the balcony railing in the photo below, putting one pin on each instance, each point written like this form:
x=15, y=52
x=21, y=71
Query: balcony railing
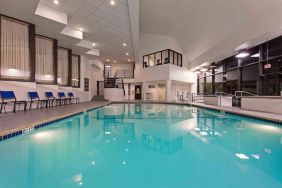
x=124, y=74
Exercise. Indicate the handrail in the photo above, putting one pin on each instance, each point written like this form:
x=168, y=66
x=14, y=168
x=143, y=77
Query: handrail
x=241, y=94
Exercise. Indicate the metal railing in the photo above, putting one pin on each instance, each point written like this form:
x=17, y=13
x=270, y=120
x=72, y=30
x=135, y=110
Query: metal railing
x=240, y=94
x=114, y=83
x=124, y=74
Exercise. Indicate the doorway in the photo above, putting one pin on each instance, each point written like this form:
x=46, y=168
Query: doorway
x=100, y=88
x=138, y=92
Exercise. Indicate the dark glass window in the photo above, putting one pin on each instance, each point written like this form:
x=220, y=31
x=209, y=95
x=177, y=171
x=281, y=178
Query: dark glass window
x=179, y=60
x=175, y=58
x=271, y=85
x=231, y=62
x=231, y=84
x=201, y=85
x=273, y=66
x=252, y=58
x=218, y=82
x=250, y=79
x=275, y=47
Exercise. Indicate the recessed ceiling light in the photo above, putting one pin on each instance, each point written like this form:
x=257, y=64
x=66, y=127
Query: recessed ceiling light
x=203, y=69
x=112, y=2
x=127, y=53
x=115, y=61
x=56, y=2
x=242, y=55
x=107, y=60
x=129, y=60
x=197, y=72
x=124, y=44
x=93, y=44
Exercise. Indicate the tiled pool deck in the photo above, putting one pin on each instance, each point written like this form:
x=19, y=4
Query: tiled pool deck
x=13, y=124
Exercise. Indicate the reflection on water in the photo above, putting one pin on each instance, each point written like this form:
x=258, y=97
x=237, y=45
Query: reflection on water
x=146, y=145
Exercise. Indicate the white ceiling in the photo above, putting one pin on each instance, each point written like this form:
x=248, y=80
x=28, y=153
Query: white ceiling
x=198, y=26
x=108, y=26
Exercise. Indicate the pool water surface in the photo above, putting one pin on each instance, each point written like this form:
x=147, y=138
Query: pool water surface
x=146, y=146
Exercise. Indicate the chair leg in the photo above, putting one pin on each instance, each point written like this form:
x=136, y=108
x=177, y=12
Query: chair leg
x=14, y=109
x=30, y=105
x=38, y=104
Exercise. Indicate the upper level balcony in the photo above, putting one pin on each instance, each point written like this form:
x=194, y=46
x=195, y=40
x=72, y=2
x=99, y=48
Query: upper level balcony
x=167, y=56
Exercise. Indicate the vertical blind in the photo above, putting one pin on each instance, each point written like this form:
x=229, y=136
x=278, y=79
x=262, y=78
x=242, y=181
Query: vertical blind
x=63, y=66
x=15, y=60
x=75, y=71
x=44, y=60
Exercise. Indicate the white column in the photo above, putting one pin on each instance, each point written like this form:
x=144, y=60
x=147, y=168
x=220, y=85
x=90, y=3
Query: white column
x=168, y=88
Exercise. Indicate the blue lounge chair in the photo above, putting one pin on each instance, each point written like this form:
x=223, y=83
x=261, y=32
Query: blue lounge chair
x=63, y=99
x=51, y=99
x=10, y=97
x=72, y=98
x=34, y=97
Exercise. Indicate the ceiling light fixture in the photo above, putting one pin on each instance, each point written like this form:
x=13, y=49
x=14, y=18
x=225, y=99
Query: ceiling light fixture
x=124, y=44
x=129, y=60
x=115, y=61
x=197, y=72
x=127, y=53
x=56, y=2
x=204, y=70
x=255, y=55
x=242, y=55
x=93, y=44
x=107, y=60
x=112, y=2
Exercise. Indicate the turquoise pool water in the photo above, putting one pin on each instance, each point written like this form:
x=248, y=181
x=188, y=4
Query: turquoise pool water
x=145, y=146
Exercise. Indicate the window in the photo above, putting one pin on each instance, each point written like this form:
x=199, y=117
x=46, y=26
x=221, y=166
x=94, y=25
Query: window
x=145, y=61
x=158, y=58
x=231, y=62
x=63, y=67
x=175, y=58
x=275, y=47
x=165, y=56
x=152, y=60
x=252, y=58
x=75, y=70
x=44, y=59
x=250, y=79
x=272, y=66
x=201, y=85
x=171, y=57
x=231, y=84
x=15, y=50
x=218, y=82
x=208, y=84
x=179, y=60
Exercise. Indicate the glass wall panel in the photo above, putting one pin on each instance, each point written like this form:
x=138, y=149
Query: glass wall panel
x=165, y=59
x=275, y=47
x=271, y=85
x=15, y=53
x=44, y=59
x=158, y=58
x=201, y=86
x=250, y=79
x=231, y=62
x=231, y=84
x=273, y=66
x=219, y=82
x=208, y=84
x=252, y=58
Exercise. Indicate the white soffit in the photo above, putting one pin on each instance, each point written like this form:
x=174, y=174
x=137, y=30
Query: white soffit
x=51, y=14
x=94, y=52
x=85, y=44
x=69, y=31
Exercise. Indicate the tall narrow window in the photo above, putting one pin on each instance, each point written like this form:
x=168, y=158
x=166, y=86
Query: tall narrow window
x=75, y=81
x=44, y=56
x=15, y=52
x=63, y=67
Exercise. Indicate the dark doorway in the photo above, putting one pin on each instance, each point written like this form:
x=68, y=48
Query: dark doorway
x=271, y=85
x=100, y=88
x=138, y=92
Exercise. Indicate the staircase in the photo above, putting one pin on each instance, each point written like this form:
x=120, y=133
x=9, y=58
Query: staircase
x=114, y=83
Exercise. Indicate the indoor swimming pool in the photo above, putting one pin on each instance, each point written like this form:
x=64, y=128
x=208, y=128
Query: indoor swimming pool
x=146, y=146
